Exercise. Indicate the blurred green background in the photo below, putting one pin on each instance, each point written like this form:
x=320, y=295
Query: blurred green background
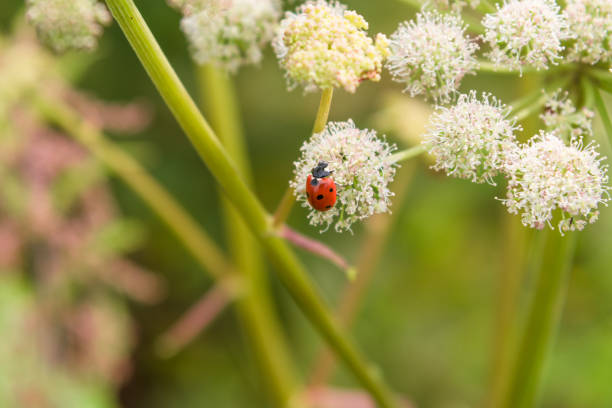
x=429, y=314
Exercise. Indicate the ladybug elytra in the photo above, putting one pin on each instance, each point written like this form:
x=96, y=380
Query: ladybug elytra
x=320, y=188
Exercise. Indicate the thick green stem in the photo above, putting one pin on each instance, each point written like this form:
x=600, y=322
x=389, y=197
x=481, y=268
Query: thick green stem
x=187, y=230
x=542, y=324
x=290, y=271
x=255, y=309
x=288, y=201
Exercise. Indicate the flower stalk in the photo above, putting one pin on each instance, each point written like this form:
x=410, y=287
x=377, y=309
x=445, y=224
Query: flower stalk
x=286, y=205
x=543, y=319
x=225, y=172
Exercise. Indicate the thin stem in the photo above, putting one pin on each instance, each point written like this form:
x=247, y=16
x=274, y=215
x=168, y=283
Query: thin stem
x=288, y=201
x=255, y=309
x=290, y=271
x=186, y=229
x=542, y=321
x=193, y=322
x=601, y=75
x=314, y=247
x=408, y=153
x=323, y=111
x=531, y=108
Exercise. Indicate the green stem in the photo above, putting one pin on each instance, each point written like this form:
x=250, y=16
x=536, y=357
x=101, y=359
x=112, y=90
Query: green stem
x=255, y=309
x=408, y=153
x=288, y=201
x=290, y=271
x=603, y=112
x=186, y=229
x=543, y=319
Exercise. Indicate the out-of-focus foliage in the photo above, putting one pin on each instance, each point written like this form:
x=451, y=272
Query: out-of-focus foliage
x=429, y=314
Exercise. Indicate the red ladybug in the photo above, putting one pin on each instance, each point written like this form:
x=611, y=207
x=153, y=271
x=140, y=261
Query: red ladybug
x=320, y=188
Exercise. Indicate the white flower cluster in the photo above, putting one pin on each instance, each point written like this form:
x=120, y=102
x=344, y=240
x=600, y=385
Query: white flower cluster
x=361, y=170
x=526, y=32
x=560, y=116
x=229, y=33
x=591, y=22
x=68, y=24
x=471, y=139
x=324, y=45
x=550, y=181
x=431, y=55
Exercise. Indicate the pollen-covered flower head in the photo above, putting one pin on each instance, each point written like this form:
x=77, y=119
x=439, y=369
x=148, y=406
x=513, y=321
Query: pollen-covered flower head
x=324, y=45
x=431, y=55
x=549, y=181
x=526, y=32
x=591, y=23
x=471, y=139
x=560, y=116
x=360, y=166
x=68, y=24
x=228, y=33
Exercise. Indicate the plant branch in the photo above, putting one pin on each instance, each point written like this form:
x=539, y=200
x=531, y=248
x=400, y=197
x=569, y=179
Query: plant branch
x=315, y=247
x=186, y=229
x=542, y=324
x=255, y=309
x=193, y=322
x=603, y=112
x=408, y=154
x=290, y=271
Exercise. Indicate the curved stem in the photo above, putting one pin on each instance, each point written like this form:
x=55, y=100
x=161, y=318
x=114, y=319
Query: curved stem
x=315, y=247
x=255, y=309
x=290, y=271
x=288, y=201
x=542, y=324
x=603, y=112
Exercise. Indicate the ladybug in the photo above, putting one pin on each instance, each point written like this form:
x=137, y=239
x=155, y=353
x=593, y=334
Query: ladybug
x=320, y=188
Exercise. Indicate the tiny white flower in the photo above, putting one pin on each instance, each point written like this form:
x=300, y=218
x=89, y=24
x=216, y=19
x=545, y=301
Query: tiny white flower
x=526, y=32
x=360, y=167
x=431, y=55
x=560, y=116
x=68, y=24
x=228, y=33
x=549, y=181
x=324, y=45
x=591, y=22
x=471, y=139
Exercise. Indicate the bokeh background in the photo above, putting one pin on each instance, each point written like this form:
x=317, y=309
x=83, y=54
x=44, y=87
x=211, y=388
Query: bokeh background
x=430, y=313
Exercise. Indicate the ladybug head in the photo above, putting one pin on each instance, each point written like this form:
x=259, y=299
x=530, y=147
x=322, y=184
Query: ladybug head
x=320, y=172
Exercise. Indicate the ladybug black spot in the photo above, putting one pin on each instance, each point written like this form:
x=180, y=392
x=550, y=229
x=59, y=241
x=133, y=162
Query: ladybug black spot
x=331, y=190
x=320, y=197
x=329, y=206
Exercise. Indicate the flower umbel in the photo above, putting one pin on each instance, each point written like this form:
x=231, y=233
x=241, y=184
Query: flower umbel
x=549, y=179
x=591, y=22
x=361, y=170
x=561, y=117
x=229, y=33
x=431, y=55
x=324, y=45
x=471, y=139
x=526, y=32
x=68, y=24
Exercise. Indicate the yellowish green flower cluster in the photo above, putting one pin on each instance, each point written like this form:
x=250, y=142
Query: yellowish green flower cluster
x=68, y=24
x=324, y=45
